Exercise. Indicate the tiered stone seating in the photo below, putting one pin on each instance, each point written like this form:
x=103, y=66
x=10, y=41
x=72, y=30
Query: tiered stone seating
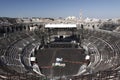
x=2, y=51
x=93, y=52
x=107, y=45
x=27, y=53
x=12, y=47
x=13, y=58
x=103, y=46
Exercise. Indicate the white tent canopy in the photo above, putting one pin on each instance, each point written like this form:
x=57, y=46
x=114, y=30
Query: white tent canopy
x=32, y=58
x=60, y=26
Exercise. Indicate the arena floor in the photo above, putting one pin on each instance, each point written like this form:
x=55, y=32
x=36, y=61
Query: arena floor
x=72, y=58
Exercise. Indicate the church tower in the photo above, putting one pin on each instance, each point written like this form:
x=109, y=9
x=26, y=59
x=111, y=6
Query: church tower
x=80, y=16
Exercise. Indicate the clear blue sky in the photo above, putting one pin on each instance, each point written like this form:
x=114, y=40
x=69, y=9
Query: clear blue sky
x=60, y=8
